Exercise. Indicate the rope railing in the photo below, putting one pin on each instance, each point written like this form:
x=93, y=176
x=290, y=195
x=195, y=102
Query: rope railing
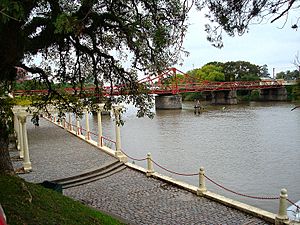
x=240, y=194
x=150, y=161
x=82, y=129
x=136, y=159
x=294, y=204
x=107, y=139
x=95, y=134
x=173, y=172
x=72, y=125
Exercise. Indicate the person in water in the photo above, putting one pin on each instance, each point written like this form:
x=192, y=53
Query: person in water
x=197, y=107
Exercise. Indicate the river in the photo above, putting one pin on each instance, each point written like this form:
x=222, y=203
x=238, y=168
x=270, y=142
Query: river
x=251, y=148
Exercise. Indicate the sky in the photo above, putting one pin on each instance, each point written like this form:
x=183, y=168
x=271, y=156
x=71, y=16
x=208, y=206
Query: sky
x=264, y=44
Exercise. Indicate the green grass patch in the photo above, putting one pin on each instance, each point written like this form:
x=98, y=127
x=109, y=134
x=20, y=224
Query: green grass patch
x=27, y=203
x=192, y=96
x=22, y=101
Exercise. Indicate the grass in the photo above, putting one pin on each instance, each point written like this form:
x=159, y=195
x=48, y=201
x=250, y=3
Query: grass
x=22, y=101
x=27, y=203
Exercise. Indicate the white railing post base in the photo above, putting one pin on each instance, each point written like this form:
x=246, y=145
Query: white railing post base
x=282, y=218
x=202, y=188
x=150, y=169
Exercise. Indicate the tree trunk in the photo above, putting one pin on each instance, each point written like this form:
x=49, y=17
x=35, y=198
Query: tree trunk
x=6, y=166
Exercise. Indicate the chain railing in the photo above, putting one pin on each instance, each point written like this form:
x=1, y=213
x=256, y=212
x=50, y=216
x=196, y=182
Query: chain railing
x=174, y=172
x=294, y=204
x=151, y=171
x=130, y=157
x=240, y=194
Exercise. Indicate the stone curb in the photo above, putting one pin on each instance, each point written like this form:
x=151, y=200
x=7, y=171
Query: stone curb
x=254, y=211
x=265, y=215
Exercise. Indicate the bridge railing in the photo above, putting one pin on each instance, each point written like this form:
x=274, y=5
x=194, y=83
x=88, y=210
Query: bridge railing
x=170, y=81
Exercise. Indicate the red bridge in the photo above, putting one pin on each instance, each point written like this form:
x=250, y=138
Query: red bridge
x=173, y=81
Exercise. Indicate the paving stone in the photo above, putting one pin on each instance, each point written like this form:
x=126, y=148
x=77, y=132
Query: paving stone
x=129, y=194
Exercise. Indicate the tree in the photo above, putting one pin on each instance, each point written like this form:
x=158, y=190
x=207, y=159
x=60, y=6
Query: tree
x=208, y=72
x=264, y=71
x=77, y=40
x=234, y=16
x=241, y=71
x=288, y=75
x=230, y=71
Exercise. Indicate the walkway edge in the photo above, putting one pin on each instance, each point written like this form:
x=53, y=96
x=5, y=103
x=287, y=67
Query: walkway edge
x=265, y=215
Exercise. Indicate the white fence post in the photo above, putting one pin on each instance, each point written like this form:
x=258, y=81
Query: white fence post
x=87, y=125
x=118, y=154
x=70, y=122
x=202, y=187
x=20, y=138
x=78, y=126
x=26, y=163
x=150, y=169
x=281, y=217
x=99, y=120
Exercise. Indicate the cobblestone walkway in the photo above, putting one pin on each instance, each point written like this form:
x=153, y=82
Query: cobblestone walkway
x=128, y=194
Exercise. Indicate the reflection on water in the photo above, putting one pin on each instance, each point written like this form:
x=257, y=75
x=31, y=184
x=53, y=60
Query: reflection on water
x=252, y=148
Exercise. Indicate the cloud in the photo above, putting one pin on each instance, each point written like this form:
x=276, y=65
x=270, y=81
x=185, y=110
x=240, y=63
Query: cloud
x=264, y=44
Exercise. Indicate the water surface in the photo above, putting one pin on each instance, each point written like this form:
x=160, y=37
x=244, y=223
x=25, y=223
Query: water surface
x=253, y=148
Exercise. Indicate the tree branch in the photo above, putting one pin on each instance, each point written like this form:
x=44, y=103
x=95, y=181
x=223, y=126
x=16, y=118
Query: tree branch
x=285, y=11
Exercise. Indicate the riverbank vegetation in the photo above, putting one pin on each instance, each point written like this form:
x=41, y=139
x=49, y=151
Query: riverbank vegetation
x=229, y=71
x=27, y=203
x=240, y=71
x=293, y=94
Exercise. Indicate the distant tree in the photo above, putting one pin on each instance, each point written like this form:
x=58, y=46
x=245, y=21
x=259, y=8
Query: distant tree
x=264, y=71
x=216, y=63
x=280, y=75
x=241, y=71
x=288, y=75
x=296, y=89
x=232, y=71
x=208, y=72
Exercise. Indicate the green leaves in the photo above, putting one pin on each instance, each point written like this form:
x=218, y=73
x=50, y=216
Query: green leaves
x=64, y=24
x=208, y=72
x=10, y=10
x=229, y=71
x=105, y=43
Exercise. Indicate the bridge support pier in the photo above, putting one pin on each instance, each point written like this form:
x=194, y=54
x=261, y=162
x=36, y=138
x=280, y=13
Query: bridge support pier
x=224, y=97
x=273, y=94
x=168, y=102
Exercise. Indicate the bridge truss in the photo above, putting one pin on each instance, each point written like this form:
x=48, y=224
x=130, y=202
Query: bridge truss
x=171, y=81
